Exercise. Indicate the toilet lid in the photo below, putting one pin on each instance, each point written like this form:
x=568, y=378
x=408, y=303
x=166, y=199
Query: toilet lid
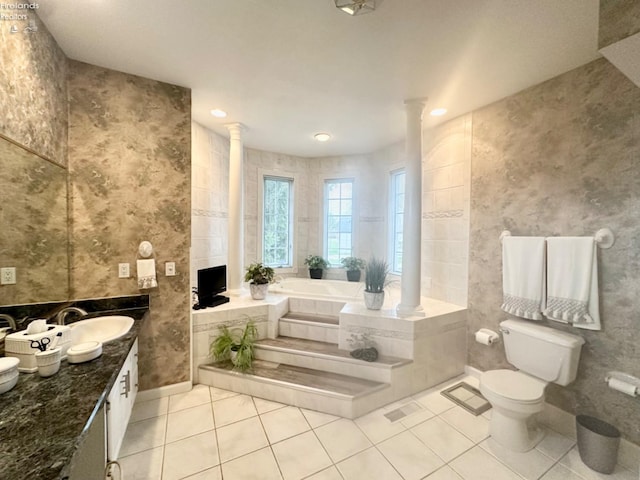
x=514, y=385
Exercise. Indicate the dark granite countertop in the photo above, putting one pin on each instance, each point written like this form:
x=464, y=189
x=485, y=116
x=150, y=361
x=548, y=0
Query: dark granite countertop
x=43, y=421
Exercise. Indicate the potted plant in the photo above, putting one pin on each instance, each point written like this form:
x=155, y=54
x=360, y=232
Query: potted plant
x=259, y=277
x=235, y=345
x=316, y=265
x=374, y=283
x=353, y=266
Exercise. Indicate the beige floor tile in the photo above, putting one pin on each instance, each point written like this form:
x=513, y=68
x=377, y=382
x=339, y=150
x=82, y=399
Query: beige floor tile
x=317, y=419
x=145, y=465
x=330, y=473
x=190, y=456
x=444, y=473
x=410, y=457
x=477, y=464
x=259, y=465
x=284, y=423
x=233, y=409
x=530, y=465
x=377, y=427
x=144, y=435
x=476, y=428
x=442, y=438
x=558, y=472
x=301, y=456
x=210, y=474
x=555, y=445
x=198, y=395
x=367, y=464
x=185, y=423
x=220, y=394
x=342, y=438
x=240, y=438
x=149, y=409
x=435, y=402
x=264, y=406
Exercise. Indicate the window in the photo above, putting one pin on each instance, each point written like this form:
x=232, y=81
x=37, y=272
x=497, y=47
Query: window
x=338, y=220
x=277, y=222
x=397, y=218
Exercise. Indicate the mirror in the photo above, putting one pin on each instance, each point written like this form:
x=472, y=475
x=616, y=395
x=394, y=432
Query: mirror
x=33, y=226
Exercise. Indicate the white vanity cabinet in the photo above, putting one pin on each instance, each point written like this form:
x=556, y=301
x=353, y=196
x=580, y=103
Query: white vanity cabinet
x=120, y=403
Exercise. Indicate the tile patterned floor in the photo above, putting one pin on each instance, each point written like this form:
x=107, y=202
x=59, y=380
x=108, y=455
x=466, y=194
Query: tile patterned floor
x=213, y=434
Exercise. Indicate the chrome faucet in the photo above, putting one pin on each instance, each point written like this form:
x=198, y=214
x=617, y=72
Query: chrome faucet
x=10, y=320
x=61, y=316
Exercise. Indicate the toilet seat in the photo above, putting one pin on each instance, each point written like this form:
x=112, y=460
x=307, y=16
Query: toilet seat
x=513, y=386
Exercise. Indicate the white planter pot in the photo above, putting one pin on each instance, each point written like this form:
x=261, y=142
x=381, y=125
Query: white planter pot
x=233, y=356
x=259, y=291
x=373, y=301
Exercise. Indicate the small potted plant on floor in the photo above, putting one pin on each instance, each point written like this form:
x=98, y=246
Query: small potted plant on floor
x=235, y=345
x=316, y=265
x=374, y=283
x=259, y=277
x=354, y=266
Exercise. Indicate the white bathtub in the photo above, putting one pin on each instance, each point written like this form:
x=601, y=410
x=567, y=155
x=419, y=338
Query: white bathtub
x=338, y=290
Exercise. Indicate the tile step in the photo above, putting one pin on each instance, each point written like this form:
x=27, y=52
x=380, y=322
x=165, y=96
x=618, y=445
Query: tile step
x=300, y=346
x=306, y=388
x=310, y=330
x=312, y=318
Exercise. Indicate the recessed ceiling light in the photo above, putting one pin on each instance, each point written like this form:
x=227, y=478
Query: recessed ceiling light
x=322, y=137
x=216, y=112
x=438, y=112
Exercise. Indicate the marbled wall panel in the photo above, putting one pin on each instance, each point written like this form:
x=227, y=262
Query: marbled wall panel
x=562, y=158
x=130, y=175
x=33, y=237
x=33, y=88
x=619, y=19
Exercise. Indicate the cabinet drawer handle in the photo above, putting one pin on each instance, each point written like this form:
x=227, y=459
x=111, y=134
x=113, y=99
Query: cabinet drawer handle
x=126, y=384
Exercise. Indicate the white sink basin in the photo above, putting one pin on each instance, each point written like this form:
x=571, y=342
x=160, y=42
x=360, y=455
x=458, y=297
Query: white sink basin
x=100, y=329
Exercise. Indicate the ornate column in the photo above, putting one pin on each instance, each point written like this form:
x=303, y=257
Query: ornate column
x=236, y=208
x=412, y=231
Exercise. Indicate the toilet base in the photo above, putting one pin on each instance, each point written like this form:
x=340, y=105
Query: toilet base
x=517, y=434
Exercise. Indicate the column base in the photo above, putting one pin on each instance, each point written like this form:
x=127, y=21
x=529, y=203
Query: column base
x=409, y=310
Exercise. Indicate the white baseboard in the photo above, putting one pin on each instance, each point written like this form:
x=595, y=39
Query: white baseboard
x=472, y=371
x=164, y=391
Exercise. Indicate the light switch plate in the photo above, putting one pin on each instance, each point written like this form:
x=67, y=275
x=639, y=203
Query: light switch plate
x=7, y=276
x=123, y=270
x=170, y=269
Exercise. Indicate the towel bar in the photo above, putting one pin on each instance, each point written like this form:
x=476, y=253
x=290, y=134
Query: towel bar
x=603, y=237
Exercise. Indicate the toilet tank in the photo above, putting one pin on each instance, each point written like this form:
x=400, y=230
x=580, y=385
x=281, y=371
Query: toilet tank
x=541, y=351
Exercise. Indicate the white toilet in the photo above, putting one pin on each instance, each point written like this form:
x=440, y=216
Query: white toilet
x=542, y=355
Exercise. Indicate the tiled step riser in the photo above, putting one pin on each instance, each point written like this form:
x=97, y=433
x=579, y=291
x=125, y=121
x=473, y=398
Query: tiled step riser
x=314, y=306
x=276, y=392
x=309, y=331
x=359, y=370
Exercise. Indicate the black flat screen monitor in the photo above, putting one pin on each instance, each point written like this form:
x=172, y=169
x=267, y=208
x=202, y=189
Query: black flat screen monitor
x=211, y=282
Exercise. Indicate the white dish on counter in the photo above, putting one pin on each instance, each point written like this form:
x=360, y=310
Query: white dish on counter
x=84, y=352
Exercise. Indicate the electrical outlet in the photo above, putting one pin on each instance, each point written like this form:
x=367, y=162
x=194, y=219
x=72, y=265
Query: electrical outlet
x=123, y=270
x=7, y=276
x=170, y=269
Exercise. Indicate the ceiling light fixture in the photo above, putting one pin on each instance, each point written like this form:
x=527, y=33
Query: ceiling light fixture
x=356, y=7
x=438, y=112
x=216, y=112
x=322, y=137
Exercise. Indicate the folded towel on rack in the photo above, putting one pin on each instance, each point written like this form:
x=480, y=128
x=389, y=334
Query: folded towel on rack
x=572, y=281
x=523, y=276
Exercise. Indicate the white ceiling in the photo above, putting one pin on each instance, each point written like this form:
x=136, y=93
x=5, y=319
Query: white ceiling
x=287, y=69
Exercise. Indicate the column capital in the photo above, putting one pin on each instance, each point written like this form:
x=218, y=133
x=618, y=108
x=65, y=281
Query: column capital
x=235, y=130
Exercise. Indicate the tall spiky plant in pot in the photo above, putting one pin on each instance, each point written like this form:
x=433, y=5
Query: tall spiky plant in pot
x=375, y=280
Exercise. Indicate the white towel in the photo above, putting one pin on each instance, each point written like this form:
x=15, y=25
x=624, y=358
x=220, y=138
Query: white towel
x=147, y=273
x=572, y=289
x=523, y=276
